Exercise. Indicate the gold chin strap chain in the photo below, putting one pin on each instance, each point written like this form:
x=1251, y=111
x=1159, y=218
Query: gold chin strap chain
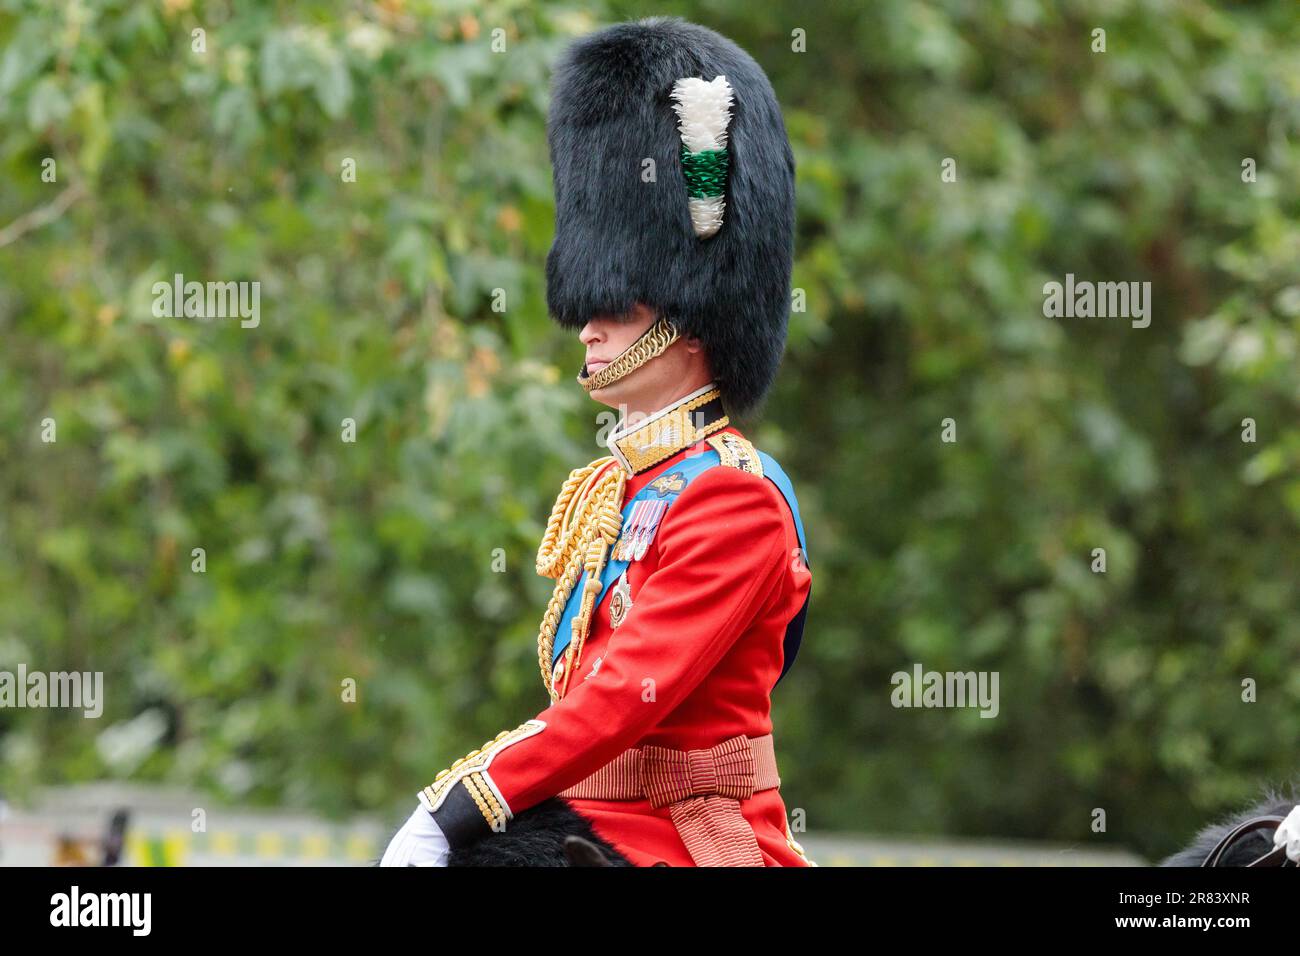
x=584, y=523
x=652, y=343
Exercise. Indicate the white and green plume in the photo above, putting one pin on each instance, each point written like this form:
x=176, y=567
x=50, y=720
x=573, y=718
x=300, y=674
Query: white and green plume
x=703, y=113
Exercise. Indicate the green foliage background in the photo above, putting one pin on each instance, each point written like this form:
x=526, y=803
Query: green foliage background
x=373, y=560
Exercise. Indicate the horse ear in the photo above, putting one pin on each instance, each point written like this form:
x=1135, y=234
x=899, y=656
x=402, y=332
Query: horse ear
x=115, y=841
x=582, y=852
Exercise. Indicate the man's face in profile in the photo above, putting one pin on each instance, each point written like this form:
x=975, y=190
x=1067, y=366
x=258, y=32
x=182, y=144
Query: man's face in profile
x=680, y=369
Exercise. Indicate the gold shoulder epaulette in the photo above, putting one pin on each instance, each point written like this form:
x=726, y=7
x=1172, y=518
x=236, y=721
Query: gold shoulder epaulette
x=737, y=452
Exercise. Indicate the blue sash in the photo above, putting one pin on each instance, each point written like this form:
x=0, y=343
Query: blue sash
x=689, y=469
x=794, y=630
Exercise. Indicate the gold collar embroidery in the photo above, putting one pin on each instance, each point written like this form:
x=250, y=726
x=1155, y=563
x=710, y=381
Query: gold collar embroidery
x=663, y=434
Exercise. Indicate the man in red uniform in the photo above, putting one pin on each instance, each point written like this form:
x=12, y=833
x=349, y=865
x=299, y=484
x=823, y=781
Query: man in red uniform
x=680, y=567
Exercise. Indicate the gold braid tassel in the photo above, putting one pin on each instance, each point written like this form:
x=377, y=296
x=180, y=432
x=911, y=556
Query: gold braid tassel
x=584, y=524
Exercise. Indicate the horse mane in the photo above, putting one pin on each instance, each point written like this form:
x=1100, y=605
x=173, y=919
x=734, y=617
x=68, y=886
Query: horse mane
x=1250, y=847
x=537, y=837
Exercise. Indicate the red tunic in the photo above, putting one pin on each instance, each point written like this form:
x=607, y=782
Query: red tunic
x=692, y=663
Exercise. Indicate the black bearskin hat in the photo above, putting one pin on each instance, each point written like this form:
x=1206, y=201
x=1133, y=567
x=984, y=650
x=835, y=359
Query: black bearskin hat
x=623, y=236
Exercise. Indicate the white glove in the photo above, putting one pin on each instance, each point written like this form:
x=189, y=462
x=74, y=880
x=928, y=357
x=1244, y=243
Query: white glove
x=420, y=842
x=1288, y=835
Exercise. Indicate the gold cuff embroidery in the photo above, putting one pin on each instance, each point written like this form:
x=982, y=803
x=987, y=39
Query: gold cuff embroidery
x=472, y=769
x=488, y=805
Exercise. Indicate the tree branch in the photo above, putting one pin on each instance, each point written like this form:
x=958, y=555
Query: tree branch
x=41, y=215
